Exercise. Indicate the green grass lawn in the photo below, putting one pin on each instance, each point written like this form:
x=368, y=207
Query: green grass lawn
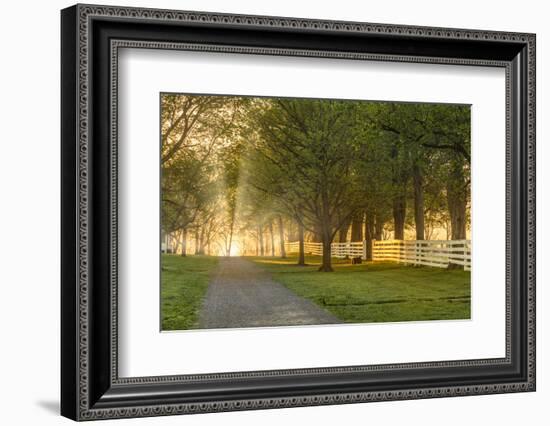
x=376, y=292
x=184, y=281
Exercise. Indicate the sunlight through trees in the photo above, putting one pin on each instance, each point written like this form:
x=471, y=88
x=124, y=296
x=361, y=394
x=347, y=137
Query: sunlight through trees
x=240, y=176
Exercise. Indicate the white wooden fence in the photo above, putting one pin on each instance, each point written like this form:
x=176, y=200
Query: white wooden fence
x=435, y=253
x=315, y=249
x=355, y=249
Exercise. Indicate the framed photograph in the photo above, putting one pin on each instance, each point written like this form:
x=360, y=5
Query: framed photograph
x=263, y=212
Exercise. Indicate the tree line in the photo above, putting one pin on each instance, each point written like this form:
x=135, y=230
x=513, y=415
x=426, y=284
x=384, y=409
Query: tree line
x=270, y=169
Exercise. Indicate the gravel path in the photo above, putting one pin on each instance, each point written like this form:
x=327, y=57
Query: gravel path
x=241, y=294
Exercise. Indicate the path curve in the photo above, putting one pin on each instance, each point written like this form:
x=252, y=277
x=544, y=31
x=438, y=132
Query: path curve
x=242, y=294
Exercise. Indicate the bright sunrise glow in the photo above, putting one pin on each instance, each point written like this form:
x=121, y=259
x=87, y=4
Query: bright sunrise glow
x=234, y=251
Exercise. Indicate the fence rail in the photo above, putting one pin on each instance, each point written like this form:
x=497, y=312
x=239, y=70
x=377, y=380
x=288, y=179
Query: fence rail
x=435, y=253
x=342, y=250
x=309, y=248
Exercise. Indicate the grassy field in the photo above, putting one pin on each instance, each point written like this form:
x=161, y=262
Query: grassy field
x=377, y=292
x=184, y=281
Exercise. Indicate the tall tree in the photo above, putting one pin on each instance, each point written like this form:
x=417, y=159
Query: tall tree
x=308, y=144
x=246, y=169
x=357, y=226
x=449, y=135
x=281, y=236
x=369, y=233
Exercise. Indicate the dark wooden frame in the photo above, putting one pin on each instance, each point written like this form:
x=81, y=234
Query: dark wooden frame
x=90, y=386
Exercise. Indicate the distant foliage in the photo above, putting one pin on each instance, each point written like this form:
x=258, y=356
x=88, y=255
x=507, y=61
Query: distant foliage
x=255, y=171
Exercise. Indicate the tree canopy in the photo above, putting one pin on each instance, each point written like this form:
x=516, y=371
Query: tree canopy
x=237, y=171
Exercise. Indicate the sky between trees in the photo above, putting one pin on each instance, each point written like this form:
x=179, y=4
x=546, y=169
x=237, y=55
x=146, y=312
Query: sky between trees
x=241, y=175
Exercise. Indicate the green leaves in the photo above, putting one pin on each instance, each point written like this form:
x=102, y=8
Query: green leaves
x=315, y=161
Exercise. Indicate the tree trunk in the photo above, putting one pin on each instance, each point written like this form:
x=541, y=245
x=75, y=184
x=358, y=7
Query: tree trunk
x=231, y=228
x=399, y=202
x=272, y=238
x=457, y=195
x=243, y=244
x=369, y=232
x=201, y=241
x=325, y=225
x=281, y=236
x=456, y=200
x=301, y=249
x=399, y=211
x=261, y=239
x=326, y=265
x=357, y=227
x=184, y=242
x=317, y=236
x=418, y=202
x=378, y=228
x=196, y=241
x=177, y=243
x=343, y=232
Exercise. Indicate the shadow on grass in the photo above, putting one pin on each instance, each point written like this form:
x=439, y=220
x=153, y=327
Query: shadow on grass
x=376, y=291
x=290, y=264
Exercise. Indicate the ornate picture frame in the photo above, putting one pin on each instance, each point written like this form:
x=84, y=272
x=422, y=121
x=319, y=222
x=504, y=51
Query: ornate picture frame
x=91, y=37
